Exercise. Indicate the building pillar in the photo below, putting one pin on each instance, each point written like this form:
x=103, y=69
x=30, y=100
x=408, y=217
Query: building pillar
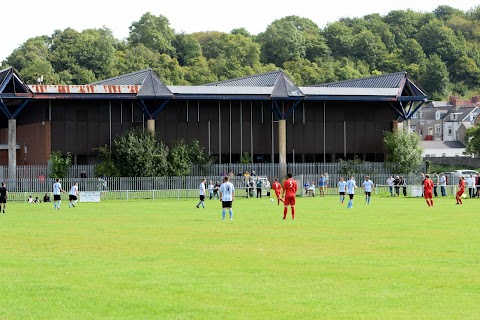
x=12, y=149
x=151, y=125
x=282, y=147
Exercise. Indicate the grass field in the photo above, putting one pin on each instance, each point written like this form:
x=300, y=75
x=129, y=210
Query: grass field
x=165, y=259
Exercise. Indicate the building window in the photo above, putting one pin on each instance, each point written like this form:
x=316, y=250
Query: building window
x=415, y=115
x=454, y=116
x=414, y=128
x=444, y=154
x=449, y=131
x=438, y=128
x=422, y=122
x=437, y=115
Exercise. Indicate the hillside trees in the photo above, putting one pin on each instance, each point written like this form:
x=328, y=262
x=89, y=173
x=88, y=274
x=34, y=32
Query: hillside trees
x=402, y=40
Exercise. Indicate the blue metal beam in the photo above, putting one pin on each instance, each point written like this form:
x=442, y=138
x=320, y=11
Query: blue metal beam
x=410, y=114
x=20, y=108
x=291, y=109
x=159, y=108
x=4, y=109
x=6, y=81
x=276, y=110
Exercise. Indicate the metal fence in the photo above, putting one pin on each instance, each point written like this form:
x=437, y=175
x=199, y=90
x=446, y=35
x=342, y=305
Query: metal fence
x=175, y=187
x=217, y=170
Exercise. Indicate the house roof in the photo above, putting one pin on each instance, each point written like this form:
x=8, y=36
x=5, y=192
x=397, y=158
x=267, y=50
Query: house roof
x=462, y=113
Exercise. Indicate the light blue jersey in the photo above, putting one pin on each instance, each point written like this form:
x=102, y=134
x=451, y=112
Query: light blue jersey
x=351, y=185
x=368, y=185
x=342, y=185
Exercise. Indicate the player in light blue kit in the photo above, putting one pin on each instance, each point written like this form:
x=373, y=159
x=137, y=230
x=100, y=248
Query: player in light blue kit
x=342, y=186
x=351, y=185
x=368, y=187
x=227, y=193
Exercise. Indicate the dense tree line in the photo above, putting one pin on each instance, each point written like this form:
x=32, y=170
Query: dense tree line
x=439, y=49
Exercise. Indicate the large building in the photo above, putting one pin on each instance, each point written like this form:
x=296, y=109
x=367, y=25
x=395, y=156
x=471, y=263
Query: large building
x=266, y=115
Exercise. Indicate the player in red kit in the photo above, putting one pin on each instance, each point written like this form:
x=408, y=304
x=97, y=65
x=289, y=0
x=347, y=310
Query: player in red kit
x=289, y=193
x=427, y=190
x=461, y=189
x=277, y=187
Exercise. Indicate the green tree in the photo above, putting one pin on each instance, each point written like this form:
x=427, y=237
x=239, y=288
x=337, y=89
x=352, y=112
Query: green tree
x=339, y=38
x=154, y=32
x=138, y=153
x=472, y=138
x=281, y=42
x=369, y=48
x=106, y=166
x=179, y=160
x=188, y=49
x=60, y=164
x=404, y=149
x=435, y=79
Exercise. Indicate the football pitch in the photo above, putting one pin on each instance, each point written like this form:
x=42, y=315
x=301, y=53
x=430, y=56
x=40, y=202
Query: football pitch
x=166, y=259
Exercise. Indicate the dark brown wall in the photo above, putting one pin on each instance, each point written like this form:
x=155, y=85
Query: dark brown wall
x=225, y=127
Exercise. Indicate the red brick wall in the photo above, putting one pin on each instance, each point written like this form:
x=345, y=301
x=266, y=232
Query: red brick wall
x=37, y=136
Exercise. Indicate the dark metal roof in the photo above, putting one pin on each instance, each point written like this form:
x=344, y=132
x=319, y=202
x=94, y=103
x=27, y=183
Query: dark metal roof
x=283, y=87
x=151, y=85
x=134, y=78
x=3, y=75
x=259, y=80
x=11, y=83
x=393, y=80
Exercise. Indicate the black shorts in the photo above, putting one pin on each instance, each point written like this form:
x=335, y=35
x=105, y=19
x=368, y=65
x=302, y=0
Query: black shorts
x=227, y=204
x=71, y=197
x=202, y=197
x=351, y=196
x=342, y=193
x=56, y=197
x=368, y=193
x=3, y=200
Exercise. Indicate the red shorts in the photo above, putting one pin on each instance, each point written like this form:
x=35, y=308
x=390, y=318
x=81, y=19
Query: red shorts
x=277, y=193
x=428, y=194
x=460, y=192
x=289, y=201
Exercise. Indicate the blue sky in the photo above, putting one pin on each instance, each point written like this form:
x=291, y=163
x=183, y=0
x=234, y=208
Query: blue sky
x=27, y=19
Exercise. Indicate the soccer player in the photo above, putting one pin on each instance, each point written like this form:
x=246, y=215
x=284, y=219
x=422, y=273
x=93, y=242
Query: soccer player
x=342, y=185
x=202, y=194
x=289, y=193
x=227, y=193
x=73, y=195
x=57, y=190
x=351, y=185
x=427, y=190
x=461, y=189
x=3, y=197
x=277, y=187
x=368, y=187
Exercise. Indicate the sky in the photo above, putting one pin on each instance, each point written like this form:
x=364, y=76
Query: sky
x=31, y=18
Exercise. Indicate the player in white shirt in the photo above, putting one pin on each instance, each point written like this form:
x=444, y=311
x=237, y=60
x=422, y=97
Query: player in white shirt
x=351, y=185
x=342, y=186
x=73, y=195
x=202, y=194
x=368, y=187
x=390, y=185
x=57, y=190
x=227, y=193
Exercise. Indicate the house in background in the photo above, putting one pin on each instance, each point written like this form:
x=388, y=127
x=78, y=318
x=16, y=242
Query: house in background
x=445, y=123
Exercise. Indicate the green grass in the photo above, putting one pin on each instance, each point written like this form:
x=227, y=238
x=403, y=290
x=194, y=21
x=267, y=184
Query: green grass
x=165, y=259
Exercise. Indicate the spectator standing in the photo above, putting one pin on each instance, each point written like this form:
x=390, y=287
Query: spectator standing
x=442, y=181
x=259, y=186
x=390, y=185
x=396, y=185
x=471, y=186
x=210, y=189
